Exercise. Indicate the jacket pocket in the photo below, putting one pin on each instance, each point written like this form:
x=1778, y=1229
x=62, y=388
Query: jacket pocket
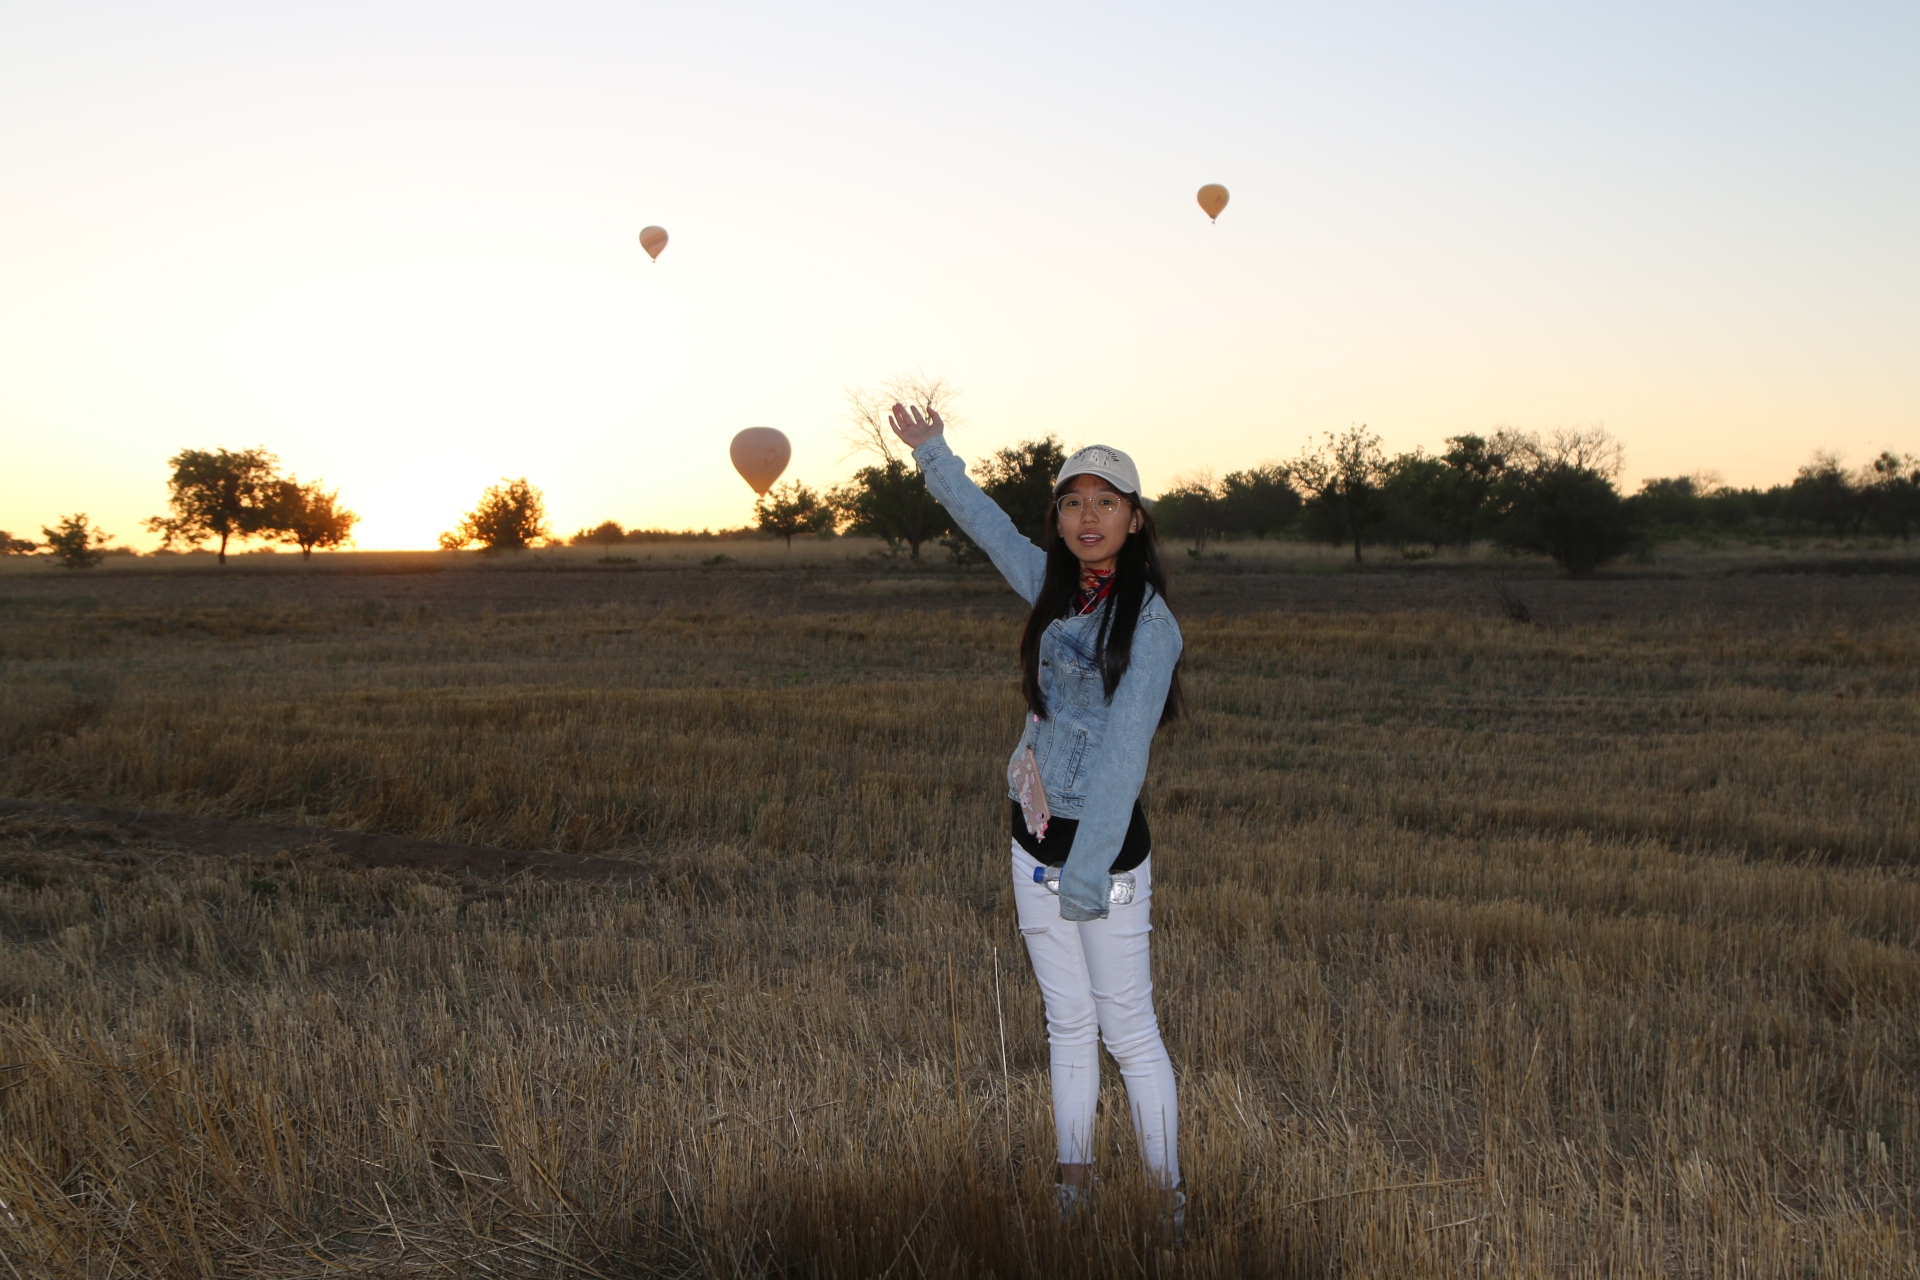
x=1069, y=761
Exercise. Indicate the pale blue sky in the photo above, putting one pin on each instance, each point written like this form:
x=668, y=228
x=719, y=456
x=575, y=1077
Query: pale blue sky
x=396, y=242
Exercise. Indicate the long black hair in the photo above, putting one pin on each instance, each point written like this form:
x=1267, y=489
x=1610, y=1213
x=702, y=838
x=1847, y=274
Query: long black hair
x=1137, y=568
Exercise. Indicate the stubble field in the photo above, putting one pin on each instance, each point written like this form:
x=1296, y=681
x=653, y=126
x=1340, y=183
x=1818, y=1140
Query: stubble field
x=1481, y=948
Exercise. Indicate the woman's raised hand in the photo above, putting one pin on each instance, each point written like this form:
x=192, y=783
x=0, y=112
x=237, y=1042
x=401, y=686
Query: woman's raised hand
x=916, y=430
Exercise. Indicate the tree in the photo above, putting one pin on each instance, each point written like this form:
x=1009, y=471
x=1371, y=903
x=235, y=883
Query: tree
x=890, y=502
x=510, y=517
x=1513, y=451
x=1477, y=467
x=1894, y=481
x=870, y=411
x=1193, y=509
x=12, y=546
x=1020, y=479
x=790, y=508
x=1824, y=493
x=607, y=533
x=1571, y=513
x=75, y=542
x=1673, y=502
x=1341, y=481
x=1419, y=500
x=308, y=516
x=1449, y=500
x=1590, y=449
x=1555, y=495
x=1256, y=503
x=218, y=493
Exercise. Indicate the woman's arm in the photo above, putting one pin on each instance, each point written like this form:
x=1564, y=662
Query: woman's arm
x=1119, y=768
x=1021, y=563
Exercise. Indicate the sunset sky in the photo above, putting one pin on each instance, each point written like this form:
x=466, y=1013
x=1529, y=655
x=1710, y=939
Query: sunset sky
x=396, y=243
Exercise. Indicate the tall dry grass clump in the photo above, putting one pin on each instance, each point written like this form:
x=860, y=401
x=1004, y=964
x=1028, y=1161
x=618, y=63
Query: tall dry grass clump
x=1481, y=951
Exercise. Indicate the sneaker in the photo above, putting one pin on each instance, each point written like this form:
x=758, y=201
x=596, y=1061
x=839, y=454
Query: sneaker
x=1071, y=1202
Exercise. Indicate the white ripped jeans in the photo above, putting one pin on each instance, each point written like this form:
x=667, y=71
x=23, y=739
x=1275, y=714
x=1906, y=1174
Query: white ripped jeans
x=1098, y=986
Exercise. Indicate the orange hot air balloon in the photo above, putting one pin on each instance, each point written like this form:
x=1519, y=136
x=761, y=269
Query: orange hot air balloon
x=1213, y=198
x=760, y=454
x=653, y=240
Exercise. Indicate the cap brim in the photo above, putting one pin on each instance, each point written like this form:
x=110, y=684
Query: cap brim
x=1121, y=482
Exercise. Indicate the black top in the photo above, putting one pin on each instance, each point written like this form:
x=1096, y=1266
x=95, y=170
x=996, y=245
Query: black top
x=1053, y=851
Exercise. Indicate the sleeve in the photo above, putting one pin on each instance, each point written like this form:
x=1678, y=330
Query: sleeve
x=1022, y=564
x=1119, y=768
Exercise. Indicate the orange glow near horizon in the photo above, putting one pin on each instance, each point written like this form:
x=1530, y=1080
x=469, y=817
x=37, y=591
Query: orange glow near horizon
x=397, y=244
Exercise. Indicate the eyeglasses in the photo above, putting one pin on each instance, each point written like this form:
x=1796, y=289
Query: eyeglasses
x=1072, y=504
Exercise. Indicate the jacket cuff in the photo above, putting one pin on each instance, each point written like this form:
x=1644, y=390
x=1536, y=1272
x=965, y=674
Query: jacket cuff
x=931, y=451
x=1077, y=892
x=1070, y=912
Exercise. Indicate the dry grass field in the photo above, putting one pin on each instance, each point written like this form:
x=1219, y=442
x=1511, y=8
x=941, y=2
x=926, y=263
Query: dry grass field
x=1482, y=949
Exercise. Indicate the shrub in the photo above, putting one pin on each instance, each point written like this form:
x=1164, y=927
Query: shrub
x=790, y=508
x=1571, y=513
x=512, y=515
x=76, y=543
x=605, y=534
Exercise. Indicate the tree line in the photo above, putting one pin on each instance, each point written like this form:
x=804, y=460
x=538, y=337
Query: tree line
x=1554, y=494
x=218, y=496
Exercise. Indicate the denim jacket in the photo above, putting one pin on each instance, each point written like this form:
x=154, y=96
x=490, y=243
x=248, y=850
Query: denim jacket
x=1092, y=752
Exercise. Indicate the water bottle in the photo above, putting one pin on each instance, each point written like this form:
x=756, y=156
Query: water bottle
x=1119, y=887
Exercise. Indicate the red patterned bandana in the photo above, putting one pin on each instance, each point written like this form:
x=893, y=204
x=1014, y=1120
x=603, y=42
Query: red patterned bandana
x=1094, y=586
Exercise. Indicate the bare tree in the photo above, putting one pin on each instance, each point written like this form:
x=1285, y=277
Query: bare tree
x=1587, y=449
x=1707, y=484
x=1581, y=448
x=869, y=410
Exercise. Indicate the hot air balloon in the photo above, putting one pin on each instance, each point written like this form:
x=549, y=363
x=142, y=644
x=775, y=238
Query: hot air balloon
x=653, y=240
x=1213, y=198
x=760, y=454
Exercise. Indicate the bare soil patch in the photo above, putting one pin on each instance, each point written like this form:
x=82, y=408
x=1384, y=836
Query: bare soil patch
x=90, y=827
x=1814, y=590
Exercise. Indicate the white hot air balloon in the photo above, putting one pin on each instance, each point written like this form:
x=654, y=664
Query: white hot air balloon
x=760, y=454
x=653, y=240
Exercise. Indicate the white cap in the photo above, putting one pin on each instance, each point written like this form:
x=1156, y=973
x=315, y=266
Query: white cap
x=1104, y=461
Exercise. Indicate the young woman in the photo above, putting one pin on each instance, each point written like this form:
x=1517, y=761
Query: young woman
x=1098, y=666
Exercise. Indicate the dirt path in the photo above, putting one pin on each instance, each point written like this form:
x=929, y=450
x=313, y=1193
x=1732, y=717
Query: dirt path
x=1825, y=593
x=45, y=823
